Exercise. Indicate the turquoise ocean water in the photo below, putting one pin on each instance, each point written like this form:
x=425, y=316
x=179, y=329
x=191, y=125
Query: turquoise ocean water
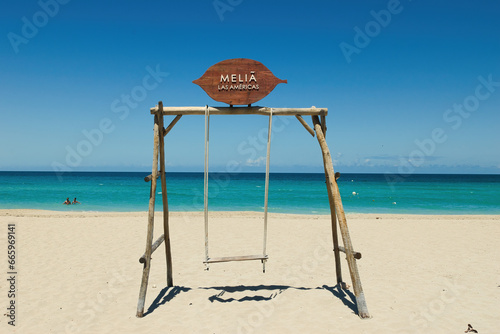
x=288, y=193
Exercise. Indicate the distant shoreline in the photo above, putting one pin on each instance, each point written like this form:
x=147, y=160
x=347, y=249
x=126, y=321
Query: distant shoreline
x=248, y=172
x=367, y=216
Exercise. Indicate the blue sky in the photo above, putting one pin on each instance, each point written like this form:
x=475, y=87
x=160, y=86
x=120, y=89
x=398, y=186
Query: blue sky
x=411, y=86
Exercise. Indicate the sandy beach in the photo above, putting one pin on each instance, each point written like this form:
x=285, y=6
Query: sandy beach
x=78, y=272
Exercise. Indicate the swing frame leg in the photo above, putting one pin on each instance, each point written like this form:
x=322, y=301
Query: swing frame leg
x=151, y=217
x=336, y=202
x=335, y=238
x=158, y=152
x=166, y=229
x=333, y=214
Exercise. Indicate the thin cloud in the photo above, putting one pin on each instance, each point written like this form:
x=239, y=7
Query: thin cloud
x=256, y=162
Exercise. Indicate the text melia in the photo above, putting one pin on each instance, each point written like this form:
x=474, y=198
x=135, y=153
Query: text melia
x=238, y=82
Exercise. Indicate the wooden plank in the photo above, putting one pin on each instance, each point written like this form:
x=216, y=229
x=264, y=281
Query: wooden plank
x=151, y=212
x=337, y=202
x=238, y=81
x=236, y=258
x=166, y=230
x=241, y=111
x=155, y=246
x=171, y=125
x=304, y=123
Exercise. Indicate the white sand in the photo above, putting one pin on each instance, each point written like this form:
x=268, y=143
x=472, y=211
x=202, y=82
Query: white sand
x=79, y=273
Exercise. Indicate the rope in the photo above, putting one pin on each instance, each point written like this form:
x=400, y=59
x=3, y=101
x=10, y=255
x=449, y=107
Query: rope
x=266, y=196
x=205, y=193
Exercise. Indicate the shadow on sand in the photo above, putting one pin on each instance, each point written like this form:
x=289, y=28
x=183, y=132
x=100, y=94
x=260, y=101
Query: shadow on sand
x=263, y=293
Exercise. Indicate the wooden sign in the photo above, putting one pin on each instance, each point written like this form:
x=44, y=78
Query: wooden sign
x=238, y=81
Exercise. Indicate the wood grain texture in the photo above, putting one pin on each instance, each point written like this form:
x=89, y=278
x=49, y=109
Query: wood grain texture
x=238, y=81
x=166, y=229
x=241, y=111
x=155, y=246
x=357, y=255
x=236, y=258
x=339, y=209
x=151, y=212
x=171, y=125
x=150, y=176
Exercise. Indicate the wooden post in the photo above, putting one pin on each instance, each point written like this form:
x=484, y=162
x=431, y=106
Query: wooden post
x=323, y=124
x=335, y=236
x=166, y=230
x=151, y=213
x=333, y=214
x=337, y=203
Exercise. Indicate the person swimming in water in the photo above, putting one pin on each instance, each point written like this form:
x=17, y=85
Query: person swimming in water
x=67, y=201
x=75, y=201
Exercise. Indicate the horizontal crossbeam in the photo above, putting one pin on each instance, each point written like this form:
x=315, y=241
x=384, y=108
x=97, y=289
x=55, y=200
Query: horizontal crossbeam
x=236, y=258
x=241, y=111
x=157, y=244
x=150, y=177
x=357, y=255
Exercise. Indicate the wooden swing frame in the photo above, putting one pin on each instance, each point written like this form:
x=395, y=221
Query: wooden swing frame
x=336, y=207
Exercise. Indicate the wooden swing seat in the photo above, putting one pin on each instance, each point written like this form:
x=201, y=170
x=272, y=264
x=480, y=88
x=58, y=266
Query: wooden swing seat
x=236, y=258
